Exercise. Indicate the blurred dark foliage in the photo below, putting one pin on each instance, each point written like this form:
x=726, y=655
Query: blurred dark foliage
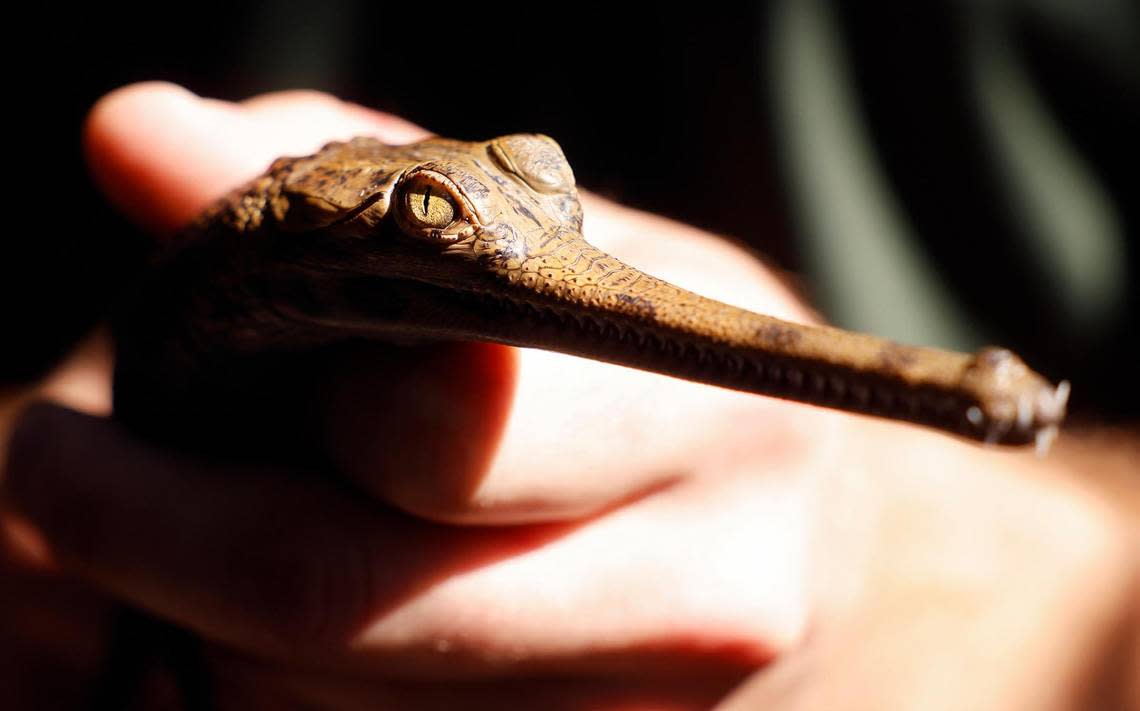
x=909, y=75
x=664, y=109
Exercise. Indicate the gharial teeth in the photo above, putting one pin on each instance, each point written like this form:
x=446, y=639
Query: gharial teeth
x=1024, y=411
x=795, y=378
x=1061, y=397
x=1044, y=440
x=1052, y=404
x=997, y=430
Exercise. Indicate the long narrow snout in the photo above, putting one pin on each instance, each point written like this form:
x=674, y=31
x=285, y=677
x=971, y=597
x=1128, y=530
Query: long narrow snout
x=555, y=291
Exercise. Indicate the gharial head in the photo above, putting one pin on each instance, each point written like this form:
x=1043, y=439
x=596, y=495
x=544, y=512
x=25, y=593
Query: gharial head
x=500, y=200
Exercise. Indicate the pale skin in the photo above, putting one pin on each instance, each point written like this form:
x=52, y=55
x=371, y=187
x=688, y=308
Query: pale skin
x=693, y=546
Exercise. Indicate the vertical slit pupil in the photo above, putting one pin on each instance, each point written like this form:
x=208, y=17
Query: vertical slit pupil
x=427, y=199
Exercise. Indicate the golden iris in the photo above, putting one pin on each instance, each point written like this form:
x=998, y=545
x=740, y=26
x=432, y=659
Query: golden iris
x=430, y=206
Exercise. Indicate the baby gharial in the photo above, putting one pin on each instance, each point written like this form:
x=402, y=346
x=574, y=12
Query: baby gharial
x=446, y=239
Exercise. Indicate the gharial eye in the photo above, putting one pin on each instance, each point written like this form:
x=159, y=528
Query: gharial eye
x=429, y=205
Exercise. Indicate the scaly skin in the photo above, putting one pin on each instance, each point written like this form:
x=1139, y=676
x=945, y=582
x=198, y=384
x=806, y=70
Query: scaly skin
x=444, y=239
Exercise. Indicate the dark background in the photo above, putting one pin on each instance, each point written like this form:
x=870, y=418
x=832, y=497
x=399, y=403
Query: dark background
x=671, y=110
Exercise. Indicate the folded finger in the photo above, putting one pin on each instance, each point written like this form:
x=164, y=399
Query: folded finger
x=162, y=154
x=292, y=566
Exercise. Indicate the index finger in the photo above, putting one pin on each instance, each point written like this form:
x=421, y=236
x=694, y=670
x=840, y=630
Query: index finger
x=162, y=154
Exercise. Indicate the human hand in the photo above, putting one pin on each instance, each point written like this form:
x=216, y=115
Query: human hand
x=590, y=596
x=676, y=536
